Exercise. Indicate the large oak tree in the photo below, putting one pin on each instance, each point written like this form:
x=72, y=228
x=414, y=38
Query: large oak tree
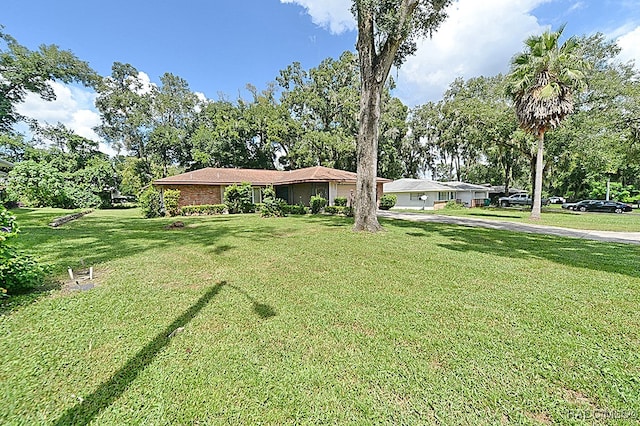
x=387, y=34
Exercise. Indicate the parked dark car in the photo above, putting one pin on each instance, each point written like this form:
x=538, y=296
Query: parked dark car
x=598, y=206
x=521, y=199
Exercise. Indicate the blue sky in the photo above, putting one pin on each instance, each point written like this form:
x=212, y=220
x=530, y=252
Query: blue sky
x=220, y=46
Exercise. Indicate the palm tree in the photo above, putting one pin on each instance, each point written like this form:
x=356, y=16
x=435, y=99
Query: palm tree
x=542, y=83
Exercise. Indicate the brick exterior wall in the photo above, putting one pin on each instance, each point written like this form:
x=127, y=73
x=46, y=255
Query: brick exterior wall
x=194, y=195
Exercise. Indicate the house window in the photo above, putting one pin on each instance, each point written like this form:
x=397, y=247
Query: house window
x=445, y=196
x=415, y=196
x=256, y=195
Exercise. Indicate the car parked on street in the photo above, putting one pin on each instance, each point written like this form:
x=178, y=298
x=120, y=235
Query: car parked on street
x=598, y=206
x=521, y=199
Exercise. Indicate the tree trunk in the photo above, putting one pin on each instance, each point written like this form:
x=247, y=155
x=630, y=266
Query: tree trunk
x=537, y=189
x=507, y=178
x=366, y=205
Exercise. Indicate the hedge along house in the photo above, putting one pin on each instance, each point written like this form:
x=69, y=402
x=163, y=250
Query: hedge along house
x=430, y=195
x=207, y=186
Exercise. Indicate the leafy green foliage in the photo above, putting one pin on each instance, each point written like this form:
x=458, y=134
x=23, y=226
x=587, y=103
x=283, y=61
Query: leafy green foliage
x=237, y=197
x=271, y=206
x=24, y=71
x=18, y=271
x=150, y=203
x=342, y=210
x=135, y=174
x=340, y=201
x=203, y=209
x=294, y=209
x=37, y=184
x=171, y=202
x=75, y=196
x=387, y=201
x=323, y=103
x=8, y=225
x=317, y=204
x=453, y=205
x=124, y=110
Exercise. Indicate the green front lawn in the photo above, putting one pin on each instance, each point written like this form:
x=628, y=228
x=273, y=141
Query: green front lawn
x=552, y=215
x=299, y=320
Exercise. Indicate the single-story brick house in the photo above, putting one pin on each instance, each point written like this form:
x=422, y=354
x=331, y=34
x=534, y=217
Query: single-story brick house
x=428, y=194
x=206, y=186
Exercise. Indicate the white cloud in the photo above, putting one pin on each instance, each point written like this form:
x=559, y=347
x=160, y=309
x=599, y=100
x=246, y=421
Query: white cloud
x=73, y=107
x=576, y=6
x=335, y=15
x=145, y=84
x=630, y=45
x=478, y=38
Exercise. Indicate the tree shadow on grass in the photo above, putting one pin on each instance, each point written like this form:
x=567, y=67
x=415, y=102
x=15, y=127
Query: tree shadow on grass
x=109, y=391
x=263, y=310
x=586, y=254
x=333, y=221
x=95, y=239
x=25, y=297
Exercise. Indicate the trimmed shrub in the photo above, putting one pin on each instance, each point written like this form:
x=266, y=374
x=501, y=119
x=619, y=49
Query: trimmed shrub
x=387, y=201
x=343, y=210
x=238, y=198
x=317, y=204
x=171, y=202
x=203, y=209
x=294, y=209
x=332, y=209
x=340, y=201
x=150, y=203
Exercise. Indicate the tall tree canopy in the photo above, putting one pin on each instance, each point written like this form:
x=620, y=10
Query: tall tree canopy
x=24, y=71
x=323, y=104
x=543, y=82
x=387, y=33
x=125, y=110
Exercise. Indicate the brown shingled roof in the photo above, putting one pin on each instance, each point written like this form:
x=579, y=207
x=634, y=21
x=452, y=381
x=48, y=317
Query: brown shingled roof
x=211, y=176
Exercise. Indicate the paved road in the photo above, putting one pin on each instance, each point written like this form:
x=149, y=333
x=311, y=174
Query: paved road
x=608, y=236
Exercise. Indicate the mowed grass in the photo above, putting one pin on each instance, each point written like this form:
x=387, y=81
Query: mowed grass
x=552, y=215
x=299, y=320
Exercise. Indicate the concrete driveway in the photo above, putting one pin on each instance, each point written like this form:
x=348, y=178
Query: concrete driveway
x=608, y=236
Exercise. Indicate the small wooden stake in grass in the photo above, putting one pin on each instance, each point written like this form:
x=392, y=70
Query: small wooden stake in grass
x=91, y=272
x=70, y=274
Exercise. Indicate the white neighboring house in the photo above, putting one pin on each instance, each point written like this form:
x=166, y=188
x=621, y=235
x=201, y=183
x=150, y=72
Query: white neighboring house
x=429, y=195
